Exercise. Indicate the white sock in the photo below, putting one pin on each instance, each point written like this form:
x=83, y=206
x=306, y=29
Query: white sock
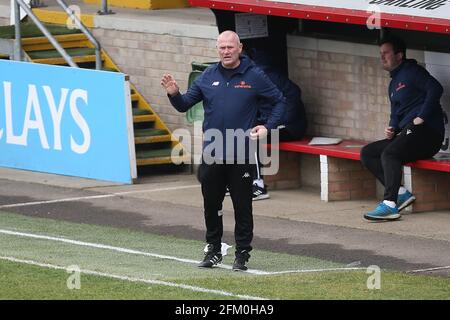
x=259, y=182
x=389, y=203
x=402, y=190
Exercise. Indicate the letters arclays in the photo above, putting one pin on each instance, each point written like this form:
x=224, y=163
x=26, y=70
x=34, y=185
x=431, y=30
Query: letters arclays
x=33, y=117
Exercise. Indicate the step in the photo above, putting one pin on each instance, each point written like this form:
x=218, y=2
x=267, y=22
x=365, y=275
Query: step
x=66, y=41
x=141, y=112
x=149, y=132
x=143, y=115
x=30, y=30
x=161, y=160
x=144, y=118
x=158, y=153
x=153, y=139
x=160, y=156
x=135, y=101
x=48, y=46
x=151, y=135
x=58, y=16
x=61, y=39
x=49, y=54
x=155, y=153
x=79, y=55
x=62, y=61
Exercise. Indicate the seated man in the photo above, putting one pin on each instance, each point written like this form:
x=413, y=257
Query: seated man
x=293, y=125
x=415, y=131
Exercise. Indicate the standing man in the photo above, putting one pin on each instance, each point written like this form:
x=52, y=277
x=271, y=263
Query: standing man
x=231, y=91
x=415, y=131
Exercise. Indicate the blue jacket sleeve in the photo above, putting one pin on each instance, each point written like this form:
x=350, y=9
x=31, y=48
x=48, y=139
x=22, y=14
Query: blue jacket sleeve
x=275, y=97
x=183, y=102
x=433, y=92
x=393, y=122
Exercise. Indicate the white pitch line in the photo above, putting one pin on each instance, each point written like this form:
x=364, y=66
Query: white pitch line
x=33, y=203
x=316, y=270
x=117, y=249
x=428, y=269
x=111, y=195
x=155, y=255
x=158, y=190
x=95, y=245
x=125, y=278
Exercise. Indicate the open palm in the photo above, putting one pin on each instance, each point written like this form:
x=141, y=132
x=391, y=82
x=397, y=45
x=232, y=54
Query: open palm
x=169, y=83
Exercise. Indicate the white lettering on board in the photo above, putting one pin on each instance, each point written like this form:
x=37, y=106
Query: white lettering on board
x=33, y=119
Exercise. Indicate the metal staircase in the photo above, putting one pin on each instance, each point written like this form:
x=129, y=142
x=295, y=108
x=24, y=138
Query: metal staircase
x=154, y=142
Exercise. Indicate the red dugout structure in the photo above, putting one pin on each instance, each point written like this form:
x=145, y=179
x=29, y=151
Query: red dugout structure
x=419, y=15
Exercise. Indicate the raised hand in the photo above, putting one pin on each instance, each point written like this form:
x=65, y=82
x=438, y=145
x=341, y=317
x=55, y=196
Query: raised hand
x=169, y=83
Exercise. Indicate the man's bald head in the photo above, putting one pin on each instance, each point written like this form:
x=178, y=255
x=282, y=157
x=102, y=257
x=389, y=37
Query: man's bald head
x=228, y=34
x=229, y=48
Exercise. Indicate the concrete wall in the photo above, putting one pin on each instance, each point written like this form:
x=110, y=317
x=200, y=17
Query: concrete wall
x=4, y=21
x=146, y=57
x=4, y=13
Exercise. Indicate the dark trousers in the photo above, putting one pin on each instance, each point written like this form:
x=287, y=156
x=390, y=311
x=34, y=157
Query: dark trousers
x=385, y=158
x=214, y=179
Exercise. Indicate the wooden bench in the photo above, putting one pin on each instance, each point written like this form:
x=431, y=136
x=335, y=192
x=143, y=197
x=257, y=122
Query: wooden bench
x=343, y=178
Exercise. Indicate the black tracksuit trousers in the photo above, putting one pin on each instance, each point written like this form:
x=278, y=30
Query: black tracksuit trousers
x=214, y=179
x=385, y=158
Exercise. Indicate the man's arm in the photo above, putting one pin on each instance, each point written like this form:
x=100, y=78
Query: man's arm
x=182, y=102
x=433, y=92
x=275, y=97
x=393, y=122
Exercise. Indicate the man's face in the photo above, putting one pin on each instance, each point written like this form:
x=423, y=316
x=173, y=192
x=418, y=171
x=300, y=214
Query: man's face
x=229, y=50
x=389, y=59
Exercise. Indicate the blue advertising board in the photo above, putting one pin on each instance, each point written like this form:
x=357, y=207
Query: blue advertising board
x=68, y=121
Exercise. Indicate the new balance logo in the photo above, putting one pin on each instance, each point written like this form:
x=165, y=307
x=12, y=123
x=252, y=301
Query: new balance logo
x=246, y=175
x=400, y=86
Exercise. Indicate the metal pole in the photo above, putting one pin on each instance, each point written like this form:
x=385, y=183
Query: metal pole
x=98, y=56
x=18, y=40
x=49, y=36
x=104, y=9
